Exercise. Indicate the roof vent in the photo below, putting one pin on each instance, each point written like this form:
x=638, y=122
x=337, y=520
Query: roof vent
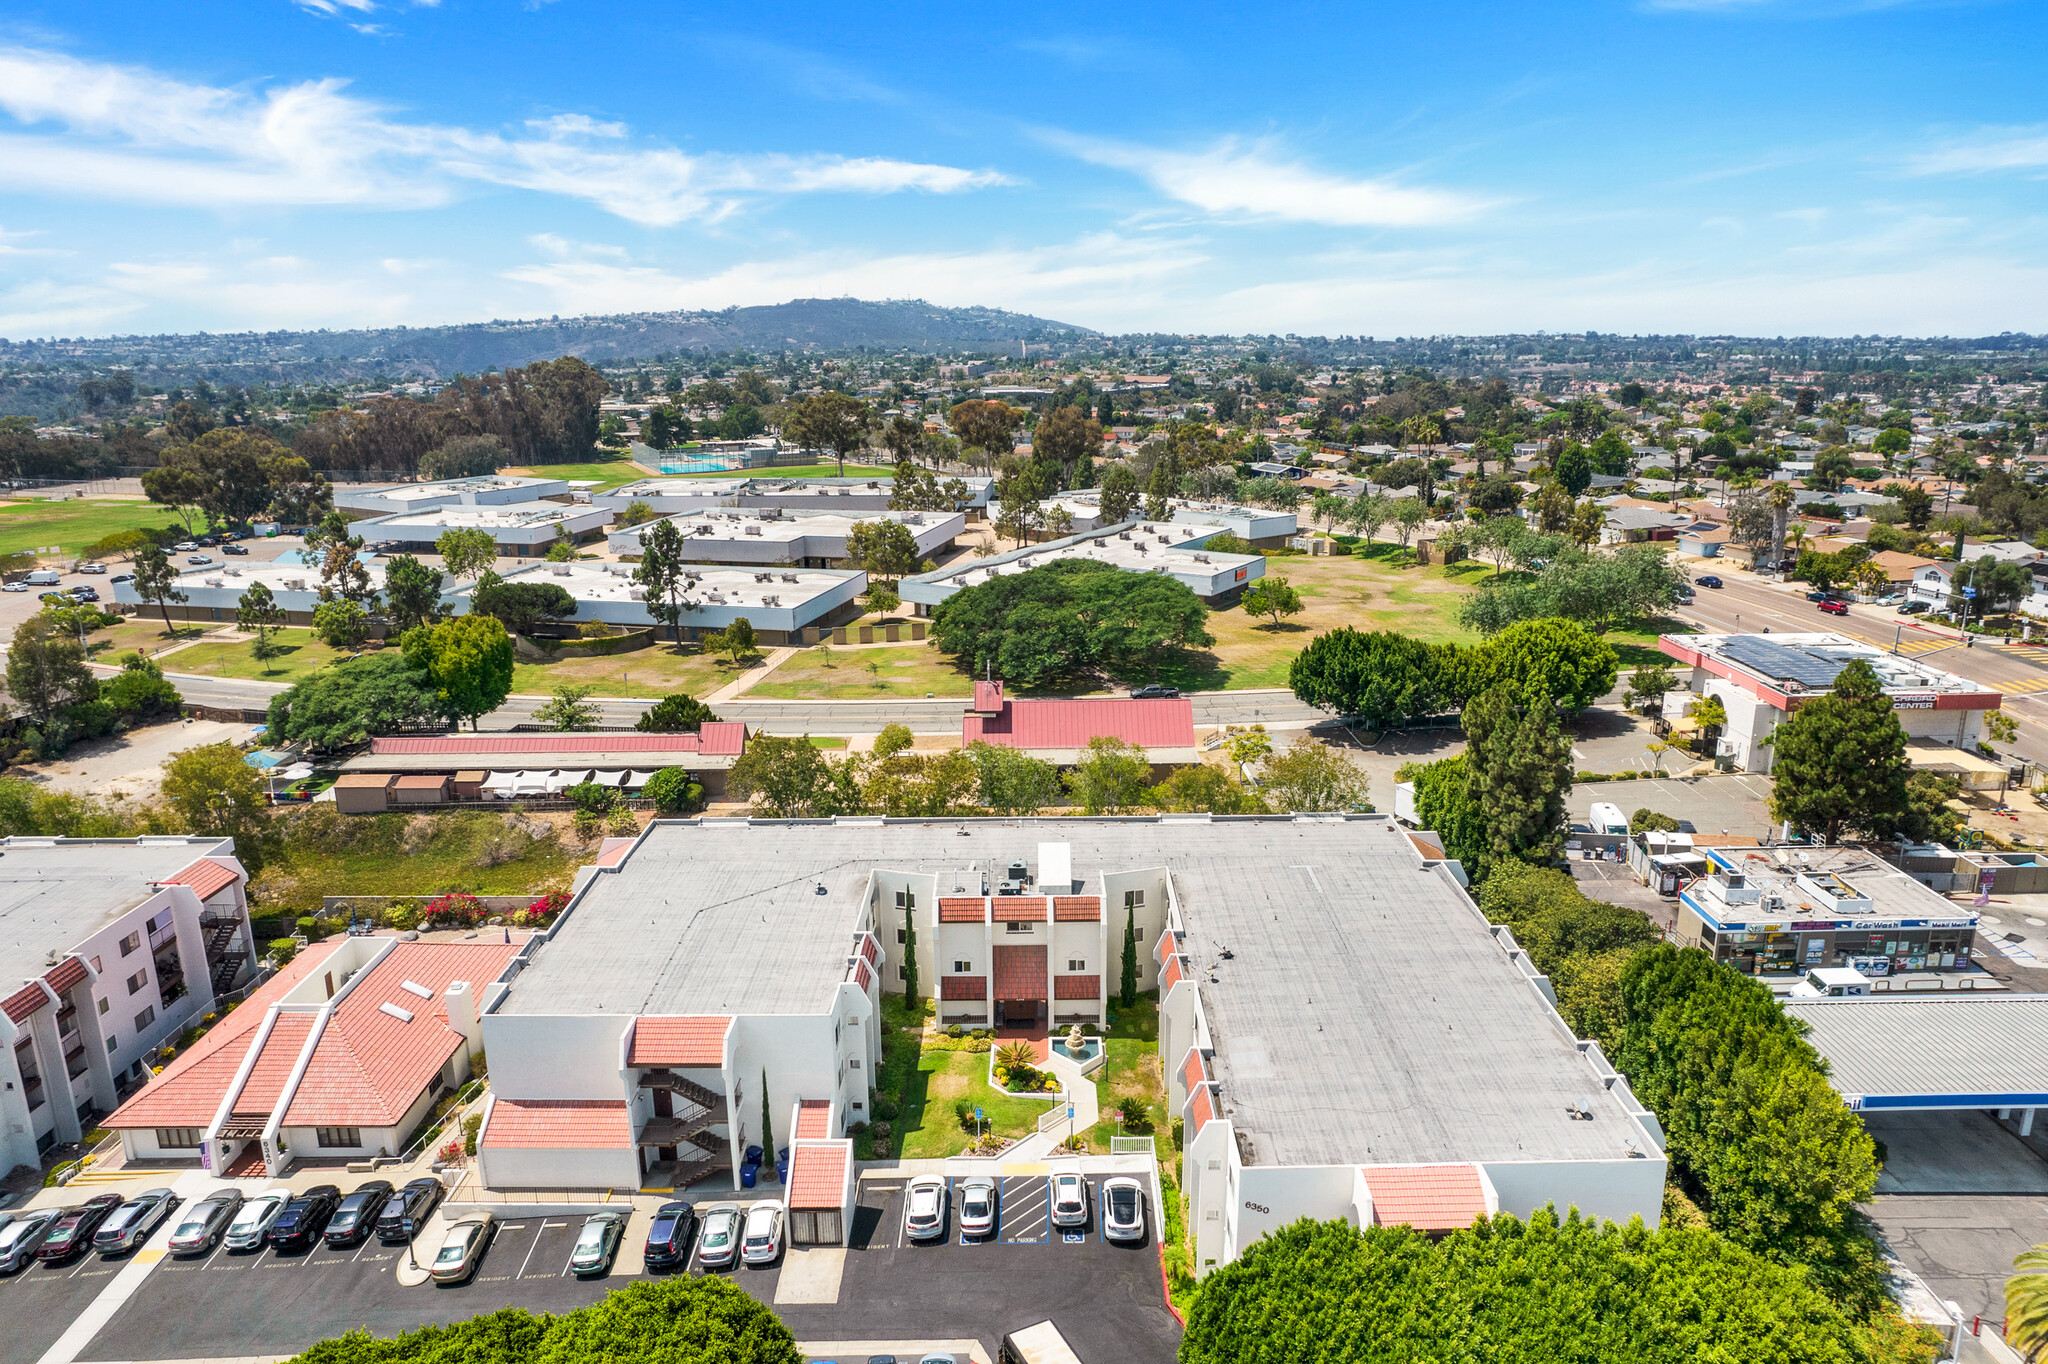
x=414, y=987
x=402, y=1015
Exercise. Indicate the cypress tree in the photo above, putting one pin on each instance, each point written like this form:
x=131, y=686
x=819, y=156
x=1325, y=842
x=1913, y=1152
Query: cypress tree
x=909, y=961
x=1517, y=771
x=1127, y=989
x=767, y=1126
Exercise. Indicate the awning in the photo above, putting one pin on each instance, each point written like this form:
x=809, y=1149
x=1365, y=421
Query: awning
x=637, y=779
x=608, y=778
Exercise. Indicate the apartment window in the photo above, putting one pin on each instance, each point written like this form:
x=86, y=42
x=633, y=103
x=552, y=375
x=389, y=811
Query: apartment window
x=853, y=1063
x=145, y=1018
x=95, y=965
x=137, y=981
x=899, y=935
x=961, y=968
x=131, y=942
x=1076, y=964
x=334, y=1138
x=105, y=1004
x=177, y=1138
x=1016, y=928
x=110, y=1044
x=902, y=974
x=1134, y=899
x=906, y=899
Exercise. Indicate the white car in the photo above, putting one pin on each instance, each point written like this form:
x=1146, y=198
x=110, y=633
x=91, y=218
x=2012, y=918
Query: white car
x=252, y=1224
x=1069, y=1200
x=92, y=568
x=924, y=1208
x=1123, y=1210
x=718, y=1236
x=463, y=1248
x=762, y=1240
x=978, y=1206
x=184, y=547
x=13, y=587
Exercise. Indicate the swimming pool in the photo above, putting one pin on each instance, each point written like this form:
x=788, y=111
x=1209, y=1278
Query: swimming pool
x=696, y=466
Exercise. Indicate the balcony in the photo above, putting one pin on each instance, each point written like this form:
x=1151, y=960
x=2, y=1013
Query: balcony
x=160, y=938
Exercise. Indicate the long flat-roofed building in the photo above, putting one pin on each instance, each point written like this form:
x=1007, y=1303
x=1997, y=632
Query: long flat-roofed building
x=1762, y=679
x=1343, y=1032
x=779, y=603
x=1191, y=522
x=842, y=496
x=521, y=529
x=1140, y=546
x=495, y=490
x=770, y=536
x=215, y=594
x=113, y=946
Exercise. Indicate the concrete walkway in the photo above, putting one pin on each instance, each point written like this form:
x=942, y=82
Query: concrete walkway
x=776, y=658
x=1077, y=1098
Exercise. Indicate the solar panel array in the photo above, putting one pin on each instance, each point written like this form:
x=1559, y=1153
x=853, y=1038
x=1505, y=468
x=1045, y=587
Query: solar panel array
x=1784, y=662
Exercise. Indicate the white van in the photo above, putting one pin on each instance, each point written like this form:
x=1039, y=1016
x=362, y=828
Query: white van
x=1607, y=818
x=45, y=577
x=1040, y=1344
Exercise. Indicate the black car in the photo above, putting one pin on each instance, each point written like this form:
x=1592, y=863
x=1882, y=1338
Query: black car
x=234, y=549
x=304, y=1218
x=1914, y=608
x=73, y=1231
x=668, y=1239
x=405, y=1211
x=1155, y=691
x=1707, y=580
x=357, y=1214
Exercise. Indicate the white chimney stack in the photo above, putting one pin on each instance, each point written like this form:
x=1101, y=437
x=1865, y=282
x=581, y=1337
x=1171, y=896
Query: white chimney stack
x=461, y=1001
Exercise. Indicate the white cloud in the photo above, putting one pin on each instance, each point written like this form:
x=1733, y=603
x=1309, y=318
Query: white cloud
x=1256, y=179
x=129, y=133
x=1984, y=152
x=1071, y=281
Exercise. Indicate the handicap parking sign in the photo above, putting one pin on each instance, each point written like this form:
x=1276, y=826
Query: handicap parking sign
x=1073, y=1237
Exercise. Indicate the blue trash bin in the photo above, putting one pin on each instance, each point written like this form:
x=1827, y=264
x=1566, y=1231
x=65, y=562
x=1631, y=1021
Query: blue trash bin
x=753, y=1156
x=782, y=1171
x=748, y=1173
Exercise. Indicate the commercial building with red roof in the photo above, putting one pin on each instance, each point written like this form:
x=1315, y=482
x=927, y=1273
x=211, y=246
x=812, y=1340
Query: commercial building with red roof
x=113, y=947
x=1059, y=731
x=338, y=1056
x=706, y=754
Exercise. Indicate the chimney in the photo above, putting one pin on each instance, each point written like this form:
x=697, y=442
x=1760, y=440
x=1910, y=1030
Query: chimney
x=461, y=1001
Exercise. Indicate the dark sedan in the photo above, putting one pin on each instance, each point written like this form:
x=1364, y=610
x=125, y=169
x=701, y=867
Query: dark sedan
x=304, y=1218
x=669, y=1237
x=1706, y=580
x=1154, y=691
x=357, y=1215
x=406, y=1211
x=203, y=1223
x=72, y=1232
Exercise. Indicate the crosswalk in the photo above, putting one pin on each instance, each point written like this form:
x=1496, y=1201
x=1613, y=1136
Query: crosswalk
x=2026, y=686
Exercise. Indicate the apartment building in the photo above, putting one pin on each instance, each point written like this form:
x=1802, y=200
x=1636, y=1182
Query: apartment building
x=118, y=945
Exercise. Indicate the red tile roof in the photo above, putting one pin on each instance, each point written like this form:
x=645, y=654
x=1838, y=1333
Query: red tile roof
x=189, y=1091
x=680, y=1040
x=724, y=737
x=817, y=1174
x=1165, y=947
x=371, y=1067
x=23, y=1003
x=963, y=987
x=870, y=949
x=963, y=909
x=1071, y=724
x=814, y=1118
x=863, y=976
x=206, y=877
x=274, y=1065
x=1426, y=1197
x=1020, y=909
x=1192, y=1071
x=67, y=974
x=1074, y=909
x=1020, y=973
x=1076, y=987
x=558, y=1125
x=1174, y=972
x=1201, y=1110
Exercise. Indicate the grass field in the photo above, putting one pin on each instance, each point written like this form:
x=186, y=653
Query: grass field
x=473, y=851
x=303, y=655
x=610, y=473
x=651, y=672
x=73, y=524
x=1132, y=1071
x=822, y=674
x=793, y=471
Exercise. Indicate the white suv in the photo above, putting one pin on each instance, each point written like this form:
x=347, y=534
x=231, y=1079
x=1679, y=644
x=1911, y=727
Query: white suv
x=1069, y=1200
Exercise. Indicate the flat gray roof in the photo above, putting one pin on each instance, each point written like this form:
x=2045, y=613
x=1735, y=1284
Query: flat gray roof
x=1366, y=1012
x=1947, y=1050
x=56, y=892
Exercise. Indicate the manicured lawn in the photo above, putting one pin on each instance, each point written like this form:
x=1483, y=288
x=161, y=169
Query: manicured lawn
x=303, y=654
x=1133, y=1070
x=73, y=524
x=945, y=1079
x=611, y=473
x=651, y=672
x=380, y=855
x=855, y=674
x=794, y=471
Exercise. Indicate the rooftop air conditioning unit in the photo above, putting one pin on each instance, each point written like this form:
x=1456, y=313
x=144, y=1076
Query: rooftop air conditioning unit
x=753, y=530
x=1123, y=535
x=559, y=570
x=637, y=593
x=771, y=601
x=1201, y=558
x=213, y=582
x=715, y=598
x=295, y=584
x=764, y=577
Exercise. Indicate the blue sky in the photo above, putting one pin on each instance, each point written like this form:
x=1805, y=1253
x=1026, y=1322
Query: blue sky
x=1676, y=165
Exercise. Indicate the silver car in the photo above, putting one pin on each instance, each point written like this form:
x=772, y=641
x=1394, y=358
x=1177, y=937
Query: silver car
x=978, y=1211
x=762, y=1240
x=252, y=1224
x=597, y=1243
x=21, y=1238
x=1123, y=1210
x=129, y=1225
x=924, y=1209
x=718, y=1237
x=1069, y=1200
x=205, y=1222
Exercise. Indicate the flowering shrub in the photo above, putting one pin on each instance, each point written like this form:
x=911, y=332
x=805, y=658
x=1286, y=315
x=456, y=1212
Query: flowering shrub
x=450, y=1152
x=543, y=911
x=454, y=910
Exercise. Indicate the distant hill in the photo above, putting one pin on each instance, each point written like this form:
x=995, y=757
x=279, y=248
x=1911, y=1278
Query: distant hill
x=437, y=352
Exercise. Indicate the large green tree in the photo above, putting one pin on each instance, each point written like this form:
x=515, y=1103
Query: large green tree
x=1839, y=764
x=156, y=580
x=334, y=707
x=466, y=551
x=1110, y=778
x=676, y=713
x=1012, y=782
x=1381, y=677
x=522, y=606
x=788, y=778
x=212, y=790
x=1518, y=771
x=886, y=549
x=1550, y=663
x=661, y=578
x=412, y=593
x=829, y=421
x=469, y=659
x=1068, y=619
x=47, y=670
x=258, y=612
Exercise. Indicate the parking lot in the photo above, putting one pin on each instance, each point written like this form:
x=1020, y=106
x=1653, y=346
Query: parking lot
x=1107, y=1298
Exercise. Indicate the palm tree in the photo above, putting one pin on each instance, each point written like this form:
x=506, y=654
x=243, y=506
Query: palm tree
x=1780, y=500
x=2026, y=1304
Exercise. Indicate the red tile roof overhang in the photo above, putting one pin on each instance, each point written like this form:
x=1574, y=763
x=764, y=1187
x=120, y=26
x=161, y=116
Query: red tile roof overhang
x=206, y=877
x=682, y=1040
x=963, y=987
x=1426, y=1197
x=817, y=1174
x=558, y=1125
x=1077, y=987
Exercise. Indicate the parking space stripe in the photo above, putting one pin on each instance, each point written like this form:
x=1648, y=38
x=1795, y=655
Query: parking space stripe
x=545, y=1224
